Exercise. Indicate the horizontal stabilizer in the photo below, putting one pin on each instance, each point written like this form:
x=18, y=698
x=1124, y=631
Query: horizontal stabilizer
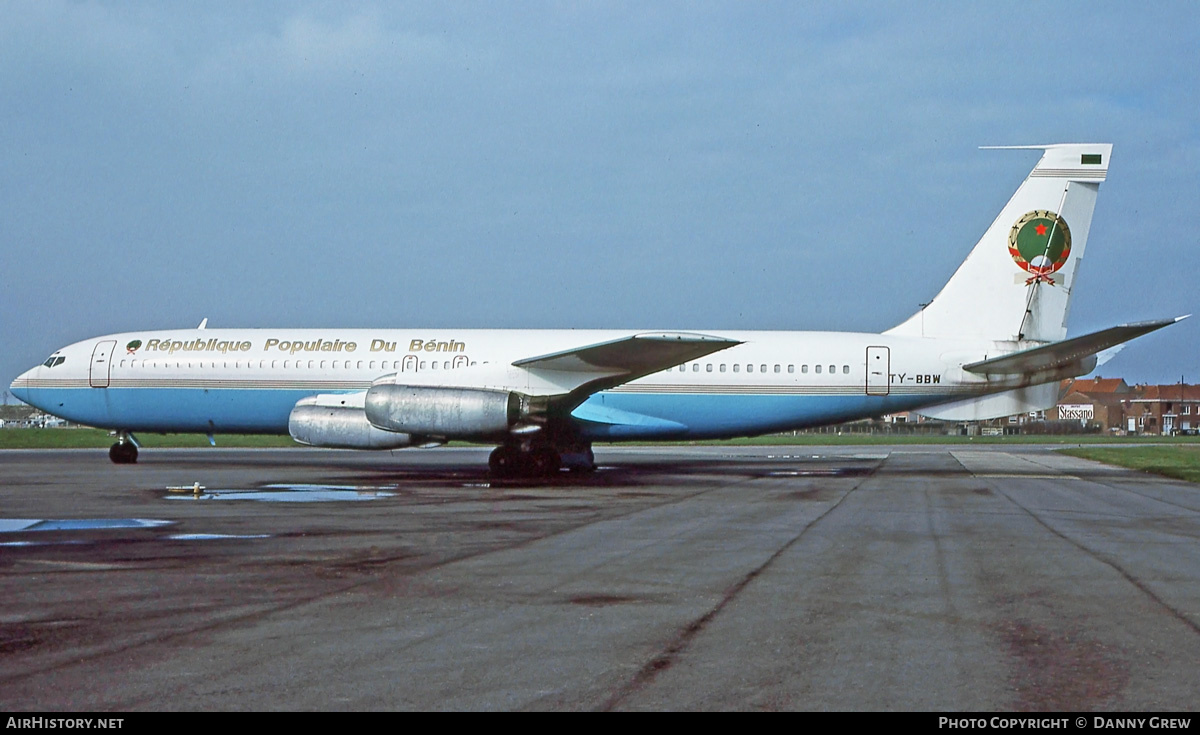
x=1068, y=351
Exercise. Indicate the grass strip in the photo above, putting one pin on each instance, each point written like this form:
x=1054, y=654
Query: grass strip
x=99, y=438
x=1179, y=462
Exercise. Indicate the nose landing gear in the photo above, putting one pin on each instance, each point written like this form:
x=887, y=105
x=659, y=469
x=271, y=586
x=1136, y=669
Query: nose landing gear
x=125, y=451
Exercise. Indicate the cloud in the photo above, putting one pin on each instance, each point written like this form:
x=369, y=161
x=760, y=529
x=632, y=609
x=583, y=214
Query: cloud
x=623, y=163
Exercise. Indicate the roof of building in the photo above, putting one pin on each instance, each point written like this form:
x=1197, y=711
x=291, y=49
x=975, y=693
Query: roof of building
x=1176, y=392
x=1098, y=385
x=1076, y=398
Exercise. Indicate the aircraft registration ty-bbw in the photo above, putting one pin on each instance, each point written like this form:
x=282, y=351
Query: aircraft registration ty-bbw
x=992, y=343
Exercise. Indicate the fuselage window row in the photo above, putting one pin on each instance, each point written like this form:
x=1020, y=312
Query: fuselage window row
x=777, y=368
x=762, y=368
x=277, y=364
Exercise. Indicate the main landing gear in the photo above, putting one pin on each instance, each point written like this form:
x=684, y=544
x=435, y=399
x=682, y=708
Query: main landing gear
x=540, y=460
x=125, y=451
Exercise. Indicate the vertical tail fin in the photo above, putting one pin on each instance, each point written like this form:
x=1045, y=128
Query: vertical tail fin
x=1016, y=283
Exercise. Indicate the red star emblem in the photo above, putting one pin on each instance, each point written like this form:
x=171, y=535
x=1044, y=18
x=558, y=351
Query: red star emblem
x=1041, y=229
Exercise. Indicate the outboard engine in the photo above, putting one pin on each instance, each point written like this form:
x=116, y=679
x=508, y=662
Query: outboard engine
x=444, y=412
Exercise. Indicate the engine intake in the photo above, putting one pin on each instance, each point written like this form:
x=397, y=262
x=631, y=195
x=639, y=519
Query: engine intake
x=445, y=412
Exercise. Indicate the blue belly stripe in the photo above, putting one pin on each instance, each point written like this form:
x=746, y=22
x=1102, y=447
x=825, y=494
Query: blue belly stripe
x=667, y=416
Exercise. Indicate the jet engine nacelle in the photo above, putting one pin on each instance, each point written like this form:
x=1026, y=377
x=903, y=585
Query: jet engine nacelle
x=339, y=427
x=443, y=412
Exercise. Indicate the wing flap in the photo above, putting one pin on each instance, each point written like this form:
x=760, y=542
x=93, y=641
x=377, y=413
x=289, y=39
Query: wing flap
x=633, y=356
x=593, y=368
x=1060, y=354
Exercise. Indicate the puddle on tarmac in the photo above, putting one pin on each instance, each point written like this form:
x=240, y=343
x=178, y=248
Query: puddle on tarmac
x=830, y=472
x=287, y=493
x=214, y=536
x=830, y=457
x=14, y=525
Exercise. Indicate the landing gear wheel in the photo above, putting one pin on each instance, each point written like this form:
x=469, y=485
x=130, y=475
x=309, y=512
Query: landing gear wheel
x=586, y=462
x=123, y=453
x=505, y=461
x=544, y=462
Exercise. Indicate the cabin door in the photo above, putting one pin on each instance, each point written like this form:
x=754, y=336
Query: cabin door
x=878, y=370
x=101, y=364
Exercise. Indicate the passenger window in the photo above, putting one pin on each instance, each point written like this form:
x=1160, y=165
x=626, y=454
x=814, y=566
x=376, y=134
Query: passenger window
x=749, y=368
x=804, y=368
x=422, y=367
x=722, y=367
x=696, y=367
x=818, y=369
x=845, y=369
x=762, y=368
x=791, y=368
x=446, y=365
x=832, y=369
x=736, y=366
x=708, y=367
x=776, y=368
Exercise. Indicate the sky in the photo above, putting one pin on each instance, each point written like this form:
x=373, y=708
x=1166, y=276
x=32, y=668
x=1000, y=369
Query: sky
x=642, y=165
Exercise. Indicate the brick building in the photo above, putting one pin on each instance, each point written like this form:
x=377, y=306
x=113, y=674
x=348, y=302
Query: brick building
x=1115, y=406
x=1162, y=409
x=1093, y=401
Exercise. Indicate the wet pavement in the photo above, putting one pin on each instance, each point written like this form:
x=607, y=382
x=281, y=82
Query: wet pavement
x=677, y=577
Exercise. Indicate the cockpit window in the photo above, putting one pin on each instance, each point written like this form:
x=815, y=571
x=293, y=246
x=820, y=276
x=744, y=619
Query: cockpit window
x=53, y=361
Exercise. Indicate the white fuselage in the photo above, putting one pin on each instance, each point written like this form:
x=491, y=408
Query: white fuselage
x=248, y=380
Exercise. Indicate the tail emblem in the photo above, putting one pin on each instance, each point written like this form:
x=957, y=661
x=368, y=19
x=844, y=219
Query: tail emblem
x=1040, y=243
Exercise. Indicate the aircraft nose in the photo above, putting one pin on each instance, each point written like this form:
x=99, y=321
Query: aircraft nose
x=22, y=386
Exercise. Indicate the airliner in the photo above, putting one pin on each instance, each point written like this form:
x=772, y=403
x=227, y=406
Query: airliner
x=992, y=343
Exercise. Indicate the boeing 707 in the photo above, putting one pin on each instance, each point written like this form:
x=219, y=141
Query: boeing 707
x=992, y=343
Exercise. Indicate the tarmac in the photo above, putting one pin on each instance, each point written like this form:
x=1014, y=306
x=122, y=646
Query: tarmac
x=943, y=578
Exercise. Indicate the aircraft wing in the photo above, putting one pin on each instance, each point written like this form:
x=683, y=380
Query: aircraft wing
x=633, y=356
x=1066, y=352
x=603, y=365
